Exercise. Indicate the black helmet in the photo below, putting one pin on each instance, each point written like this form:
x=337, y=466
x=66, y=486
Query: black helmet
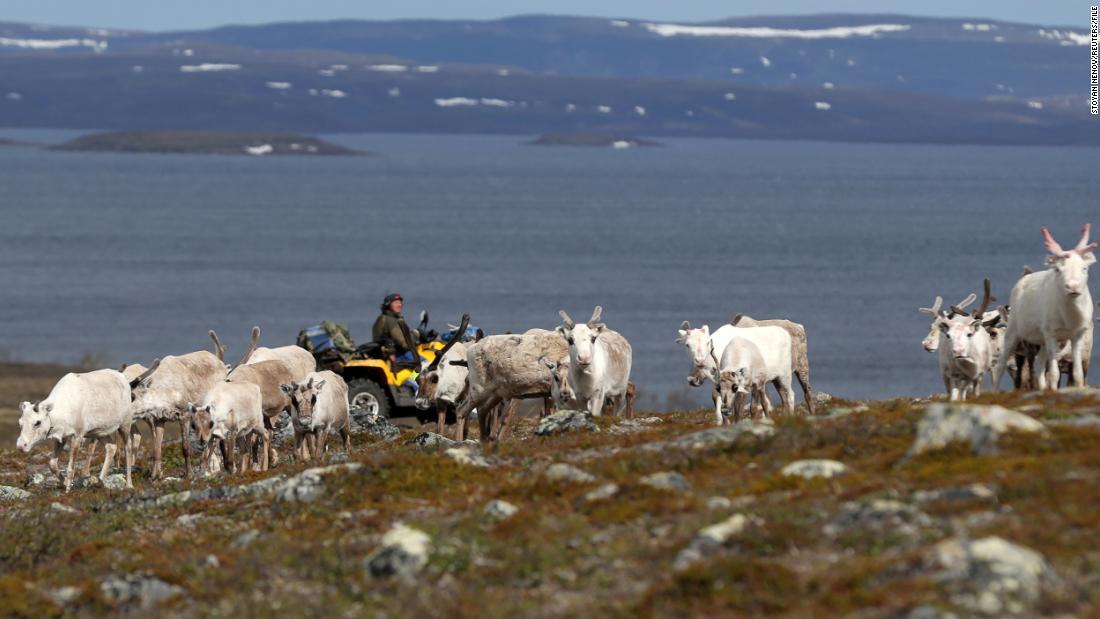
x=390, y=298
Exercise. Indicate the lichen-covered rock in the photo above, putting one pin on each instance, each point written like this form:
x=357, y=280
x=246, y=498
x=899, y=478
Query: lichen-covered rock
x=498, y=509
x=431, y=440
x=630, y=426
x=116, y=481
x=669, y=481
x=601, y=493
x=309, y=485
x=978, y=425
x=565, y=421
x=879, y=515
x=972, y=492
x=38, y=478
x=374, y=426
x=809, y=469
x=245, y=539
x=562, y=472
x=10, y=493
x=403, y=553
x=143, y=589
x=710, y=539
x=467, y=455
x=717, y=503
x=63, y=509
x=989, y=576
x=715, y=438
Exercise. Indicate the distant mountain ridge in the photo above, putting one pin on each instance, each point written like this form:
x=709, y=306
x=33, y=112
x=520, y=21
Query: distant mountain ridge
x=833, y=77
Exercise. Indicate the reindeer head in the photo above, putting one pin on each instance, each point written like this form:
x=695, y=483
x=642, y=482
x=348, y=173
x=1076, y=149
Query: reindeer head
x=1071, y=266
x=202, y=422
x=439, y=379
x=959, y=331
x=560, y=390
x=581, y=337
x=730, y=383
x=34, y=424
x=303, y=398
x=703, y=360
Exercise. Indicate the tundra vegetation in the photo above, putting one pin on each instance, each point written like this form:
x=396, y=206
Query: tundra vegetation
x=837, y=514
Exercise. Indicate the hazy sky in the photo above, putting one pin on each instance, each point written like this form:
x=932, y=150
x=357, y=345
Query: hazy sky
x=171, y=15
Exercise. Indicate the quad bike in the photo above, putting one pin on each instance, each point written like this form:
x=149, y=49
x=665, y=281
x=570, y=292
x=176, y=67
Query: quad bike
x=374, y=384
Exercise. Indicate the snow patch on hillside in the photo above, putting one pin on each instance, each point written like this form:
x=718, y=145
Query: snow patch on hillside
x=208, y=67
x=839, y=32
x=96, y=46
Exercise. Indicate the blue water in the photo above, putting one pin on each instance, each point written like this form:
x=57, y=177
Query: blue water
x=136, y=256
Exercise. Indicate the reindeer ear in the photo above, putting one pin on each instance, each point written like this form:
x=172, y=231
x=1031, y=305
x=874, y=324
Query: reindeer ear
x=46, y=408
x=287, y=388
x=1089, y=258
x=561, y=330
x=318, y=385
x=1053, y=260
x=706, y=330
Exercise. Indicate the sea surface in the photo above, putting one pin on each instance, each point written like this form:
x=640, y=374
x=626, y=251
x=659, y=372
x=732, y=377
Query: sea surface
x=130, y=257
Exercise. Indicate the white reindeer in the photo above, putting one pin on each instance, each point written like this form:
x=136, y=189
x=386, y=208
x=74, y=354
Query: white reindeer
x=599, y=363
x=319, y=407
x=931, y=342
x=965, y=355
x=1050, y=307
x=93, y=403
x=231, y=411
x=742, y=372
x=774, y=344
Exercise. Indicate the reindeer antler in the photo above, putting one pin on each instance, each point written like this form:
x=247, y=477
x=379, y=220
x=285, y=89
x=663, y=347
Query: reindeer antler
x=933, y=311
x=569, y=324
x=595, y=319
x=987, y=296
x=1052, y=245
x=960, y=309
x=1083, y=246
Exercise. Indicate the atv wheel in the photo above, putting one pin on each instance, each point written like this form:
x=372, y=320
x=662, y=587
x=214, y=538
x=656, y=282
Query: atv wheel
x=369, y=395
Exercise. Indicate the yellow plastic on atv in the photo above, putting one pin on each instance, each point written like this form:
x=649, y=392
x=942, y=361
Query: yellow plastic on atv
x=427, y=353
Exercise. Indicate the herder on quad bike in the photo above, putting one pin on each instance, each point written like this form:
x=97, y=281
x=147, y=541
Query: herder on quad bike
x=381, y=375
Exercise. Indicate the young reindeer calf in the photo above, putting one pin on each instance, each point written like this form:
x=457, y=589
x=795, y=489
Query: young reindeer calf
x=742, y=372
x=231, y=411
x=319, y=407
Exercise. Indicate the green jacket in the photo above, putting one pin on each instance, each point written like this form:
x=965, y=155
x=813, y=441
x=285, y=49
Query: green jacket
x=387, y=327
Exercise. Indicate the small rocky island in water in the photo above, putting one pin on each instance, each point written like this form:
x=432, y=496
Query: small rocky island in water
x=204, y=142
x=602, y=140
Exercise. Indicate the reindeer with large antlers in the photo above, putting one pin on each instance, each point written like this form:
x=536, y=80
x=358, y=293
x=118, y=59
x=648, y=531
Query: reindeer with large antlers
x=1051, y=308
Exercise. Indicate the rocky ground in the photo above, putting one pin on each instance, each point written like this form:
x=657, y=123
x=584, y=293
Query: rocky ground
x=879, y=509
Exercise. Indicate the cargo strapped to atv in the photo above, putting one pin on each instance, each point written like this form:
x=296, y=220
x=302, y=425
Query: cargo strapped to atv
x=328, y=340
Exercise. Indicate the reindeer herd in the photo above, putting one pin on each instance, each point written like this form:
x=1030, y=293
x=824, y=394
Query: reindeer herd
x=1045, y=331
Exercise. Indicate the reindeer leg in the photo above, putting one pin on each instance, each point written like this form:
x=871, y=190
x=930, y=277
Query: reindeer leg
x=1078, y=375
x=185, y=445
x=718, y=419
x=86, y=468
x=109, y=450
x=158, y=449
x=803, y=376
x=630, y=390
x=74, y=446
x=508, y=420
x=128, y=438
x=345, y=437
x=266, y=436
x=441, y=413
